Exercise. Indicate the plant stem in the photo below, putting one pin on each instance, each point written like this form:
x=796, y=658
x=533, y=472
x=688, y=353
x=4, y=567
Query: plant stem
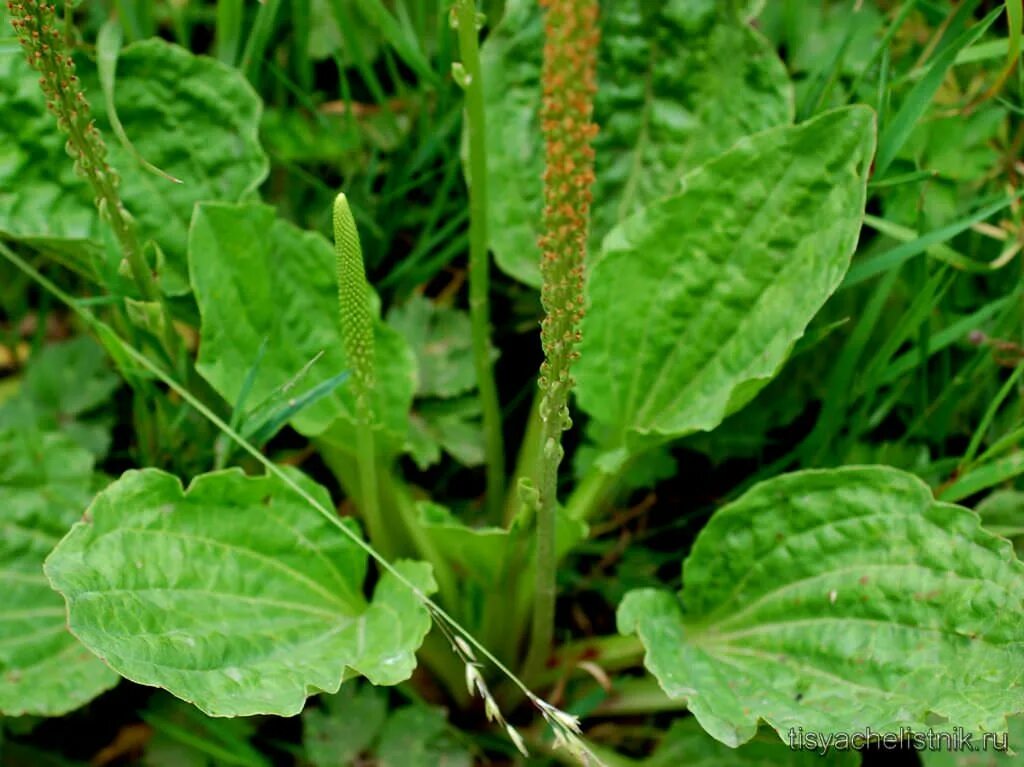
x=543, y=625
x=633, y=697
x=399, y=532
x=569, y=83
x=369, y=495
x=479, y=278
x=610, y=653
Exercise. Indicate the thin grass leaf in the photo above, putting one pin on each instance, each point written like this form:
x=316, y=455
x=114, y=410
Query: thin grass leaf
x=902, y=178
x=986, y=51
x=990, y=414
x=825, y=79
x=982, y=478
x=250, y=379
x=926, y=298
x=222, y=447
x=232, y=751
x=398, y=37
x=228, y=33
x=354, y=47
x=867, y=268
x=260, y=433
x=883, y=44
x=302, y=62
x=943, y=339
x=896, y=133
x=136, y=18
x=837, y=391
x=1014, y=20
x=259, y=38
x=108, y=48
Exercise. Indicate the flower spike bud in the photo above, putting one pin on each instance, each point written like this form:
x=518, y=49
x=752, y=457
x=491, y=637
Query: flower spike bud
x=354, y=303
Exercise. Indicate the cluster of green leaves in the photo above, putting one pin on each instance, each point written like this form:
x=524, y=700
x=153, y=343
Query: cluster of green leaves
x=728, y=319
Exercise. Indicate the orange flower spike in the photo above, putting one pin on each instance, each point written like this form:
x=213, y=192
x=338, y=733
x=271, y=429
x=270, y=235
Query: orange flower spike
x=569, y=82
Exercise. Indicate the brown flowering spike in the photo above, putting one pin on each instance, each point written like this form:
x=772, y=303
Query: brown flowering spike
x=569, y=82
x=43, y=41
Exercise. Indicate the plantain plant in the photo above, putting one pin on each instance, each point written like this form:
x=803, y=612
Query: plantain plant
x=683, y=229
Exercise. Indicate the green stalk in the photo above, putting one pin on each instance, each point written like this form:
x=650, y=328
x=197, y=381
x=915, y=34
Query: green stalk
x=479, y=278
x=637, y=697
x=545, y=592
x=357, y=334
x=368, y=491
x=228, y=34
x=397, y=508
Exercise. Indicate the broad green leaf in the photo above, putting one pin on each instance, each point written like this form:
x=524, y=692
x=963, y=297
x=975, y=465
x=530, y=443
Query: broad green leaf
x=477, y=553
x=686, y=743
x=344, y=725
x=45, y=485
x=838, y=600
x=480, y=554
x=680, y=83
x=258, y=278
x=695, y=301
x=233, y=594
x=453, y=425
x=191, y=116
x=63, y=385
x=442, y=340
x=418, y=736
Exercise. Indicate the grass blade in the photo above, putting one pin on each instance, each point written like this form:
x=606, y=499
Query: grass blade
x=870, y=267
x=398, y=38
x=108, y=48
x=896, y=133
x=229, y=30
